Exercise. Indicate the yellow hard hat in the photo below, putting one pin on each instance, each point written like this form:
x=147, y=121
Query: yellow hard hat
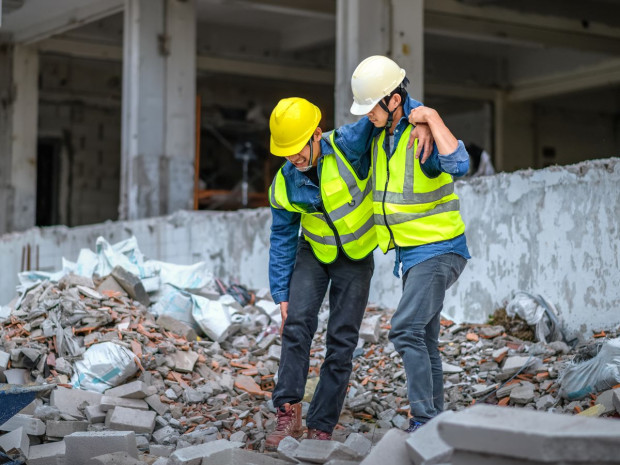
x=373, y=79
x=292, y=123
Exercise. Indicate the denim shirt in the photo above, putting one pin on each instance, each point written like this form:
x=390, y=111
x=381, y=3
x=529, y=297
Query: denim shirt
x=456, y=164
x=354, y=141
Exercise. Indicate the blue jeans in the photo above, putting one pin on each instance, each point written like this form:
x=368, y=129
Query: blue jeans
x=415, y=331
x=348, y=296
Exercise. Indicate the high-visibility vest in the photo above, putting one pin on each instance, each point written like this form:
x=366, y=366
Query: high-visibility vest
x=411, y=209
x=347, y=217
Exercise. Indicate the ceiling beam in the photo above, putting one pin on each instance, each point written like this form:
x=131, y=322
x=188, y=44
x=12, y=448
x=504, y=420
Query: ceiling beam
x=601, y=75
x=36, y=21
x=203, y=63
x=452, y=18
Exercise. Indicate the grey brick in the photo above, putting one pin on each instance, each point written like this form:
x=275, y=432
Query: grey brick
x=31, y=425
x=133, y=390
x=83, y=446
x=194, y=455
x=426, y=446
x=391, y=449
x=127, y=419
x=15, y=440
x=317, y=451
x=68, y=400
x=60, y=428
x=50, y=453
x=110, y=402
x=532, y=435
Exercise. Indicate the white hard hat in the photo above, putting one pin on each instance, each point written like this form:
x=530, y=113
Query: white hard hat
x=373, y=79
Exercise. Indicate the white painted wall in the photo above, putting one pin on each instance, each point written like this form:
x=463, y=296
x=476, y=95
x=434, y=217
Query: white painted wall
x=553, y=232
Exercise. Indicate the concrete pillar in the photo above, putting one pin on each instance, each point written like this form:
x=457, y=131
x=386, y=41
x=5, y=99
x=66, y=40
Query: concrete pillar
x=159, y=89
x=394, y=28
x=19, y=74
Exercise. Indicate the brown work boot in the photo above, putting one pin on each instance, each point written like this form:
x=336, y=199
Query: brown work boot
x=289, y=424
x=318, y=434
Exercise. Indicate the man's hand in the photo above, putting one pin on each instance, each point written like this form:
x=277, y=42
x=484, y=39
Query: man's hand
x=425, y=140
x=284, y=313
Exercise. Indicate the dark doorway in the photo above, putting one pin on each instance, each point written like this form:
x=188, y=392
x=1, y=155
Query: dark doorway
x=48, y=181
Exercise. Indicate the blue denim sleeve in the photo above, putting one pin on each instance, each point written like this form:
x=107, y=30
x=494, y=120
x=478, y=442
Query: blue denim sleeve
x=455, y=163
x=354, y=141
x=282, y=251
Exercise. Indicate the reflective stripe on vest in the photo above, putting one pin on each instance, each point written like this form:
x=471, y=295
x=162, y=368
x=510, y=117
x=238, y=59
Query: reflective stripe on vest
x=410, y=208
x=347, y=201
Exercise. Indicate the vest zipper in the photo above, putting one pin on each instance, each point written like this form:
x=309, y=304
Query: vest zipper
x=387, y=180
x=330, y=223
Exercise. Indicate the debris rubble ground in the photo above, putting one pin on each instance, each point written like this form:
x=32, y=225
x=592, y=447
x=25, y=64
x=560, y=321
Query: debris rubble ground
x=136, y=384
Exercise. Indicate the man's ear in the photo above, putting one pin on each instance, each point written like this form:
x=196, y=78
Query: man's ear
x=318, y=132
x=397, y=99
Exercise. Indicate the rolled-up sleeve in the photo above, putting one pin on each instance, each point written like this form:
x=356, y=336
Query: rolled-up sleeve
x=282, y=251
x=455, y=163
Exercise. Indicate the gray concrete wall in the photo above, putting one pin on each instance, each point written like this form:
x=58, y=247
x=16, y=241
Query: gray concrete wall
x=553, y=232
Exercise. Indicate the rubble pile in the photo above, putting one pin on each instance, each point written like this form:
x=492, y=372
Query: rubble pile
x=132, y=378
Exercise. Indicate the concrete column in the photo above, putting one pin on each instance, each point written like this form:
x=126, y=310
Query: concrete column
x=159, y=87
x=394, y=28
x=361, y=31
x=408, y=42
x=19, y=73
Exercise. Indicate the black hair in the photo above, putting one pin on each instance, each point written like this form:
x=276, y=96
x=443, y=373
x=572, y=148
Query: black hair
x=400, y=90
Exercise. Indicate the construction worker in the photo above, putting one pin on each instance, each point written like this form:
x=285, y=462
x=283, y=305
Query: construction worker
x=327, y=190
x=416, y=213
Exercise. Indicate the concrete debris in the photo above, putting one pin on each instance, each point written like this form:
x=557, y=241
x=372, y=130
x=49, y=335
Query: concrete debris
x=194, y=399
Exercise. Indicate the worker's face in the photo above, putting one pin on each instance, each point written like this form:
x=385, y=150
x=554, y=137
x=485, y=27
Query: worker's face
x=378, y=116
x=301, y=160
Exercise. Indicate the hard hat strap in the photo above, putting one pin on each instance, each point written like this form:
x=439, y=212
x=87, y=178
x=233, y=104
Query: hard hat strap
x=303, y=170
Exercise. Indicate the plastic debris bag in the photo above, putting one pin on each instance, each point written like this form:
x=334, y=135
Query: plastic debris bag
x=193, y=276
x=177, y=304
x=216, y=318
x=103, y=366
x=598, y=374
x=538, y=313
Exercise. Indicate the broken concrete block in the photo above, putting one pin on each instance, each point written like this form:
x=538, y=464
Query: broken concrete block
x=515, y=363
x=94, y=414
x=287, y=448
x=133, y=390
x=523, y=393
x=371, y=329
x=532, y=435
x=109, y=284
x=74, y=280
x=606, y=399
x=426, y=446
x=61, y=428
x=616, y=399
x=177, y=327
x=32, y=426
x=166, y=435
x=271, y=309
x=16, y=440
x=110, y=402
x=128, y=419
x=132, y=285
x=392, y=448
x=241, y=457
x=115, y=458
x=80, y=447
x=156, y=404
x=4, y=360
x=359, y=444
x=274, y=352
x=50, y=453
x=450, y=369
x=90, y=293
x=194, y=455
x=184, y=361
x=159, y=450
x=317, y=451
x=68, y=400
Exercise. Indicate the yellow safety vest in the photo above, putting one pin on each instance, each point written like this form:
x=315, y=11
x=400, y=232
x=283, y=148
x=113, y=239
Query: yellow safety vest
x=347, y=204
x=411, y=209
